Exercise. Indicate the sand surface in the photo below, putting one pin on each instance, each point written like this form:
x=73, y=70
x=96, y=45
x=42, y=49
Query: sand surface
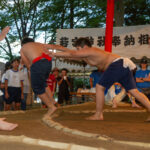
x=127, y=126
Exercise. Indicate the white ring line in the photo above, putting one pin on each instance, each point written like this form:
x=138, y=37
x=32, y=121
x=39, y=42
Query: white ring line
x=58, y=126
x=50, y=144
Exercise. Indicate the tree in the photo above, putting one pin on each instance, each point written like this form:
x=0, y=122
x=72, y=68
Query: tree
x=24, y=17
x=119, y=13
x=137, y=12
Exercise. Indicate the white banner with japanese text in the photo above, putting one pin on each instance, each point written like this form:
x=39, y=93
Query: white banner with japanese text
x=129, y=41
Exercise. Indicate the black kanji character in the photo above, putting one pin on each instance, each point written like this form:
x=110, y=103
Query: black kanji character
x=143, y=39
x=101, y=41
x=129, y=40
x=116, y=41
x=64, y=41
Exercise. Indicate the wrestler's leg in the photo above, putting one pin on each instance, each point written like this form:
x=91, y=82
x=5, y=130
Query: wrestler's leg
x=142, y=99
x=132, y=99
x=50, y=105
x=49, y=94
x=99, y=103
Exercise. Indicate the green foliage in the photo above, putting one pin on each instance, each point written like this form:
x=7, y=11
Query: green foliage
x=33, y=17
x=137, y=12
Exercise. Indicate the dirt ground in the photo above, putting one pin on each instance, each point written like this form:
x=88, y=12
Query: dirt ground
x=127, y=126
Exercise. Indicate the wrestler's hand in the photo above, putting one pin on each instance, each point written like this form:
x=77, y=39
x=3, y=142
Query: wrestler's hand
x=4, y=32
x=51, y=54
x=49, y=46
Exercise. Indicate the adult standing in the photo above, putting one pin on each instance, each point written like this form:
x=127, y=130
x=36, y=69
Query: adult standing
x=143, y=77
x=64, y=84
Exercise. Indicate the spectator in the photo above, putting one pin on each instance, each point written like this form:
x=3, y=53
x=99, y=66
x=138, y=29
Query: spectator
x=3, y=124
x=143, y=78
x=55, y=72
x=64, y=84
x=7, y=66
x=13, y=86
x=26, y=86
x=118, y=93
x=51, y=82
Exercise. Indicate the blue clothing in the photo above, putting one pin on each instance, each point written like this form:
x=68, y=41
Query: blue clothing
x=23, y=101
x=14, y=95
x=118, y=89
x=39, y=74
x=142, y=74
x=117, y=73
x=95, y=75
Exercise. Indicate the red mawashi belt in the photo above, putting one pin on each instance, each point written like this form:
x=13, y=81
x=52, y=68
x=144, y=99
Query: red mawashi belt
x=41, y=57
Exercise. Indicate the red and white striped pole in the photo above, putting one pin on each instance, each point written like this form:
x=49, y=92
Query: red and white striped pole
x=109, y=25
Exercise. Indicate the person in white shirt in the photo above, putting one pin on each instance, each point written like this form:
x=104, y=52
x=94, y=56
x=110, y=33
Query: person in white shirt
x=3, y=124
x=2, y=86
x=26, y=85
x=14, y=86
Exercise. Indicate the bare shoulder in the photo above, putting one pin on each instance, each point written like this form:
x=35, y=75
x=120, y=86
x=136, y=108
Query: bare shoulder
x=94, y=50
x=32, y=44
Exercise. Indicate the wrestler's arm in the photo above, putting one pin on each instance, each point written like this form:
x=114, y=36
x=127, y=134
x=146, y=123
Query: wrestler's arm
x=25, y=60
x=57, y=47
x=76, y=59
x=72, y=54
x=4, y=32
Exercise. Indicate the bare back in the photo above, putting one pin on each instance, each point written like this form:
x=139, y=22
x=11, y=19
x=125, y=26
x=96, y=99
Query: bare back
x=99, y=58
x=31, y=50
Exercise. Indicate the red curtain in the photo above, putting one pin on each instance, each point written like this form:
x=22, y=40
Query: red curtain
x=109, y=25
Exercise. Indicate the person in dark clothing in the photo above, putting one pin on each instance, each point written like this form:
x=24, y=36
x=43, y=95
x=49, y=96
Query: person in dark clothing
x=64, y=84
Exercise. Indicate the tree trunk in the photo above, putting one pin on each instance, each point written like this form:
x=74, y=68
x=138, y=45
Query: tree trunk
x=119, y=13
x=71, y=13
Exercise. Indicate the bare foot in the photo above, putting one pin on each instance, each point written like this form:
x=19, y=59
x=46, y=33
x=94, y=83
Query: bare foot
x=50, y=111
x=95, y=117
x=134, y=105
x=7, y=126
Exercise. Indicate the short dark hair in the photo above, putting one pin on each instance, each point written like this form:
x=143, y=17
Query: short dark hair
x=55, y=69
x=81, y=42
x=64, y=69
x=143, y=61
x=15, y=59
x=26, y=40
x=7, y=66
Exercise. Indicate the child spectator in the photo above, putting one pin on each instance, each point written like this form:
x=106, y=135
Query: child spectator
x=7, y=66
x=3, y=124
x=13, y=86
x=26, y=86
x=51, y=82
